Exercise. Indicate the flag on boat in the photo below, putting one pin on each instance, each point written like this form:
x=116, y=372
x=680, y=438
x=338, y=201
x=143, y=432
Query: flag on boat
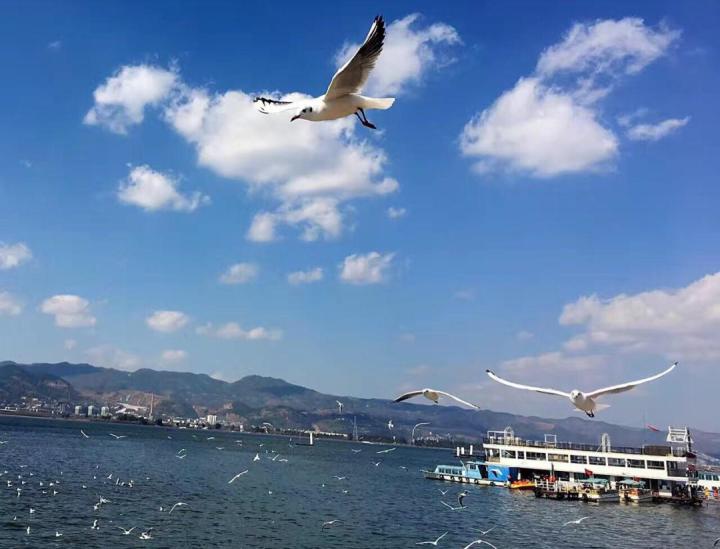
x=588, y=473
x=653, y=428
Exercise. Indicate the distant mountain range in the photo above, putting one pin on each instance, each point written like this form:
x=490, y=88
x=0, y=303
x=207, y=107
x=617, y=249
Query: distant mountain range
x=255, y=399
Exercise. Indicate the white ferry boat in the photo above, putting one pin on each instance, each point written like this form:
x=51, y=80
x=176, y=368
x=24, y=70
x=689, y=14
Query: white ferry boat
x=666, y=470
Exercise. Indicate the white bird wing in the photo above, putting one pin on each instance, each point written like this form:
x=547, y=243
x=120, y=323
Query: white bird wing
x=461, y=401
x=351, y=77
x=408, y=395
x=526, y=387
x=627, y=386
x=271, y=106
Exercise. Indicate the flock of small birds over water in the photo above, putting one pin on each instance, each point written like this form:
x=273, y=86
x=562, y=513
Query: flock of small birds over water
x=26, y=481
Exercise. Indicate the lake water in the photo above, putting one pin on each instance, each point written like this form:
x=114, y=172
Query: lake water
x=283, y=504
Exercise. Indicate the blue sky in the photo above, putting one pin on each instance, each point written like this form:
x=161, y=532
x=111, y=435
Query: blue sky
x=538, y=154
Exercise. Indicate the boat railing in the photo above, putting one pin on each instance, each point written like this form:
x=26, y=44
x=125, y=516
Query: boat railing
x=647, y=450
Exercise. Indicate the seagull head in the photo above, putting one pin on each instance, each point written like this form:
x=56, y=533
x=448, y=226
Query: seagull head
x=302, y=113
x=575, y=394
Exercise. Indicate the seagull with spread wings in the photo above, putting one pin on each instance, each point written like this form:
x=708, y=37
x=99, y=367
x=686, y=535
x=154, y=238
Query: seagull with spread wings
x=581, y=400
x=433, y=395
x=342, y=97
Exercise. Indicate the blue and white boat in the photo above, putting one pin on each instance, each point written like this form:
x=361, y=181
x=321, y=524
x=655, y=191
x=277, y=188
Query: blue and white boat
x=473, y=472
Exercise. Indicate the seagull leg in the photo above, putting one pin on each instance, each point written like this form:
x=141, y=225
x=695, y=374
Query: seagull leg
x=365, y=121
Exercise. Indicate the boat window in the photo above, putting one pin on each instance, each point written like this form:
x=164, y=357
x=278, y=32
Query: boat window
x=716, y=477
x=655, y=464
x=616, y=462
x=578, y=459
x=595, y=460
x=508, y=454
x=558, y=457
x=538, y=456
x=636, y=463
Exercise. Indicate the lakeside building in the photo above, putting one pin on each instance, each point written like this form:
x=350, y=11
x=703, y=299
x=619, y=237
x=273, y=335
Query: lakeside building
x=78, y=410
x=91, y=411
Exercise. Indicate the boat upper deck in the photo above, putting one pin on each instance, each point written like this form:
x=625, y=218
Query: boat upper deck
x=648, y=450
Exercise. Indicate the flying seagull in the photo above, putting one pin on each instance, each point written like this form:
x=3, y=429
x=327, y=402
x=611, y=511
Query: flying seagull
x=178, y=504
x=83, y=434
x=329, y=523
x=237, y=476
x=126, y=532
x=461, y=497
x=451, y=507
x=478, y=542
x=584, y=401
x=578, y=521
x=116, y=437
x=434, y=395
x=432, y=542
x=340, y=406
x=342, y=97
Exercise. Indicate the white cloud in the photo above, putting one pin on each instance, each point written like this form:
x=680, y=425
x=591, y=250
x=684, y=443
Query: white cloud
x=655, y=132
x=70, y=344
x=152, y=190
x=9, y=304
x=55, y=45
x=109, y=356
x=396, y=213
x=623, y=46
x=524, y=335
x=70, y=311
x=167, y=321
x=409, y=54
x=240, y=273
x=536, y=129
x=173, y=356
x=317, y=217
x=305, y=277
x=233, y=330
x=370, y=268
x=549, y=123
x=679, y=324
x=121, y=101
x=13, y=255
x=556, y=361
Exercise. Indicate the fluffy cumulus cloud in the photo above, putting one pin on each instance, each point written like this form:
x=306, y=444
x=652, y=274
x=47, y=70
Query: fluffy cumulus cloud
x=549, y=123
x=676, y=324
x=233, y=330
x=240, y=273
x=121, y=101
x=655, y=132
x=13, y=255
x=372, y=268
x=152, y=191
x=306, y=277
x=9, y=304
x=306, y=170
x=167, y=321
x=679, y=323
x=173, y=356
x=411, y=51
x=70, y=311
x=109, y=356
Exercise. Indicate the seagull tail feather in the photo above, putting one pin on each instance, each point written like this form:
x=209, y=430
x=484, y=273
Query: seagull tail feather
x=382, y=103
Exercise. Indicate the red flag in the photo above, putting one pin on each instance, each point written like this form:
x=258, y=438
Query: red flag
x=588, y=473
x=653, y=428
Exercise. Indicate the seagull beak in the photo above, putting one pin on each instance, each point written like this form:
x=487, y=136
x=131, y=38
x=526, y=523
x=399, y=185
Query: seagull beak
x=295, y=117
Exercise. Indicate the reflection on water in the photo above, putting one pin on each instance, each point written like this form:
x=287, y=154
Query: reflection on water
x=282, y=503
